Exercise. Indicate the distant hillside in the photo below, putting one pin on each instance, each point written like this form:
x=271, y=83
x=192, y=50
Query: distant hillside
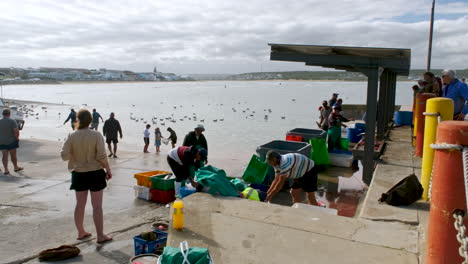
x=328, y=75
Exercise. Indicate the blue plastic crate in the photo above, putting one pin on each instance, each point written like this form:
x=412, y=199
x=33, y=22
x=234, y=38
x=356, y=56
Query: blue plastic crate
x=149, y=247
x=184, y=192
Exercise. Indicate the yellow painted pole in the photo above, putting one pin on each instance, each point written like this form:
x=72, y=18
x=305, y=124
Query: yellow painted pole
x=443, y=106
x=415, y=120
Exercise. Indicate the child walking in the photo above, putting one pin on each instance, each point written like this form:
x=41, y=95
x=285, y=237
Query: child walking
x=157, y=139
x=146, y=136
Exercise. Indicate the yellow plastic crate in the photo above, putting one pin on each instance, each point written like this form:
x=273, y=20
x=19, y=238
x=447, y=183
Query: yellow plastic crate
x=144, y=178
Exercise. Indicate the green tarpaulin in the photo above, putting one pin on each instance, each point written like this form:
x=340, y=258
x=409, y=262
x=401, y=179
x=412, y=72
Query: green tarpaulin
x=216, y=180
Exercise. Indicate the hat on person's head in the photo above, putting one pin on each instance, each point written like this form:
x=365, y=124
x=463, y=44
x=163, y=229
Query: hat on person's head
x=200, y=127
x=335, y=94
x=6, y=111
x=203, y=153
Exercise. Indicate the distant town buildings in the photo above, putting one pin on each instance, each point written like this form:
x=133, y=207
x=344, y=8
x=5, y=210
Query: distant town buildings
x=75, y=74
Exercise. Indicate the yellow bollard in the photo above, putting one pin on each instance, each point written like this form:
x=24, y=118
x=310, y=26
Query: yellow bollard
x=444, y=107
x=415, y=120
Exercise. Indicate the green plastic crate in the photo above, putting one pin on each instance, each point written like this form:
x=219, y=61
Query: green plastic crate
x=159, y=183
x=255, y=171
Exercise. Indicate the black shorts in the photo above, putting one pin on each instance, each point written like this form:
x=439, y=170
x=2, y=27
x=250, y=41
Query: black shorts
x=109, y=140
x=181, y=172
x=10, y=146
x=308, y=182
x=90, y=180
x=146, y=140
x=174, y=140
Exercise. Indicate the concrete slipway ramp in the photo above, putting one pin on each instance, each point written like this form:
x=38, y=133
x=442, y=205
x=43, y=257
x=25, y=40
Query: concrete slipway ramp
x=243, y=231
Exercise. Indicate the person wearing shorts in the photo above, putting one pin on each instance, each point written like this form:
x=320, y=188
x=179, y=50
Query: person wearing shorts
x=85, y=152
x=110, y=130
x=9, y=141
x=296, y=167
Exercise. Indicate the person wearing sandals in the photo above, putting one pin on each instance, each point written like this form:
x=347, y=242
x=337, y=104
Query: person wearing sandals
x=85, y=152
x=9, y=141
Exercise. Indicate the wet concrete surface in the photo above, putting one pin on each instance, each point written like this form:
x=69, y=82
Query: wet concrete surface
x=36, y=205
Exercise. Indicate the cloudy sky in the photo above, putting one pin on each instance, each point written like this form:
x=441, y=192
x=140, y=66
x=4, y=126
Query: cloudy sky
x=217, y=36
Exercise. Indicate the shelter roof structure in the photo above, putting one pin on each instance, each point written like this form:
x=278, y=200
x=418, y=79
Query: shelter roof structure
x=382, y=64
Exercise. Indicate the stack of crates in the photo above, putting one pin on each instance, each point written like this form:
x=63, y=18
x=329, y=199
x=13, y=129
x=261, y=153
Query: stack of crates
x=152, y=186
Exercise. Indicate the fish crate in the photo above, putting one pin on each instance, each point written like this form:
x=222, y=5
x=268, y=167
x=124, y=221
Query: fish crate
x=142, y=192
x=142, y=246
x=144, y=178
x=159, y=182
x=307, y=134
x=162, y=197
x=284, y=147
x=255, y=171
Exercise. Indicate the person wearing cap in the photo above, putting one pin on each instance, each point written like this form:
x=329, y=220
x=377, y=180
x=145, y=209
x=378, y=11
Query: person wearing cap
x=296, y=167
x=196, y=138
x=72, y=118
x=457, y=91
x=184, y=161
x=333, y=100
x=9, y=141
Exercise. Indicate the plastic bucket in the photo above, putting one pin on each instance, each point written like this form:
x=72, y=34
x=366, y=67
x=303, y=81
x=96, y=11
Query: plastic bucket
x=144, y=259
x=403, y=118
x=361, y=126
x=352, y=134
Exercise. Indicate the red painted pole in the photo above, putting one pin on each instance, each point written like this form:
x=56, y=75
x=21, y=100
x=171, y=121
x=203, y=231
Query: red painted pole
x=448, y=195
x=422, y=98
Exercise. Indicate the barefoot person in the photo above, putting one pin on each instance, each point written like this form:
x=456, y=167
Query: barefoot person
x=157, y=139
x=296, y=167
x=86, y=154
x=146, y=138
x=110, y=129
x=9, y=139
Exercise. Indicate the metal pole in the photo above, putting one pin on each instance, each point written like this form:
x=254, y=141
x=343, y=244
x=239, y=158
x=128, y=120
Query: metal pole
x=429, y=51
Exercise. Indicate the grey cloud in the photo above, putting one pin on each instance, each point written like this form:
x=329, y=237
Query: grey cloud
x=222, y=36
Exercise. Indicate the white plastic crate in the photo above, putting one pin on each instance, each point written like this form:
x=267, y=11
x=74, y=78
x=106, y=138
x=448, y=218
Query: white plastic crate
x=340, y=160
x=142, y=192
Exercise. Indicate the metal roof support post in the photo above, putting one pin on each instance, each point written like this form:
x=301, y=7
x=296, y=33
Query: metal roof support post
x=371, y=116
x=382, y=105
x=393, y=80
x=388, y=114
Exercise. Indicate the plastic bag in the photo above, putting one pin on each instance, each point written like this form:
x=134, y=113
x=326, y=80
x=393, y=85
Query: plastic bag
x=185, y=255
x=405, y=192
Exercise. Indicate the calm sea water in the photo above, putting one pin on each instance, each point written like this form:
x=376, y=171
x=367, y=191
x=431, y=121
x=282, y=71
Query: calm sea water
x=242, y=104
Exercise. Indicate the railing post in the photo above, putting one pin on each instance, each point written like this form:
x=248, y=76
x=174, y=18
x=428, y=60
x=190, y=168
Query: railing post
x=443, y=107
x=448, y=194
